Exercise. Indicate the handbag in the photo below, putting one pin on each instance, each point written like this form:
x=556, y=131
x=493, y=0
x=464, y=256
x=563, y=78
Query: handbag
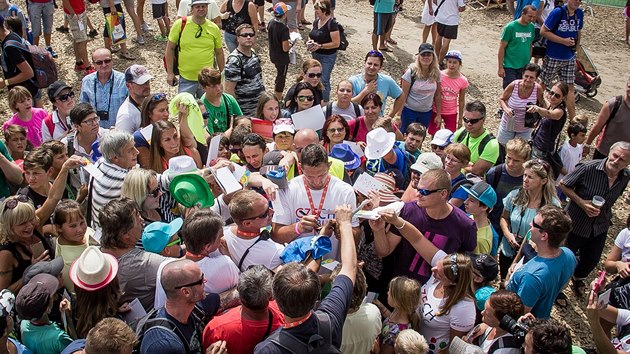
x=115, y=28
x=620, y=292
x=531, y=119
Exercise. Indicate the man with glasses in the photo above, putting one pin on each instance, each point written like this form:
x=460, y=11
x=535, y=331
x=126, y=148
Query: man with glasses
x=104, y=89
x=540, y=280
x=483, y=146
x=243, y=71
x=371, y=80
x=138, y=82
x=448, y=228
x=199, y=44
x=248, y=245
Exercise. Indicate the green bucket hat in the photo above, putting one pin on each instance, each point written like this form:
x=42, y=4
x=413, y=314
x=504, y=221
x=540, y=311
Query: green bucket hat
x=190, y=189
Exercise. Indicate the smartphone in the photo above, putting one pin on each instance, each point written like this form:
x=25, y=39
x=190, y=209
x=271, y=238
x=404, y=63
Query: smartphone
x=599, y=281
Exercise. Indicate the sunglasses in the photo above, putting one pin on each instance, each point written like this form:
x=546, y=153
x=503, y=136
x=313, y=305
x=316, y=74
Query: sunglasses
x=336, y=130
x=177, y=241
x=535, y=225
x=471, y=120
x=235, y=150
x=554, y=94
x=154, y=193
x=66, y=96
x=376, y=53
x=198, y=34
x=198, y=282
x=437, y=147
x=247, y=35
x=314, y=75
x=306, y=98
x=104, y=61
x=12, y=203
x=426, y=192
x=454, y=266
x=158, y=97
x=261, y=216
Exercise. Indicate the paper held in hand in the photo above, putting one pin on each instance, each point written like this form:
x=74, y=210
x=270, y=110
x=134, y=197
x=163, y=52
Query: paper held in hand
x=366, y=183
x=226, y=180
x=312, y=118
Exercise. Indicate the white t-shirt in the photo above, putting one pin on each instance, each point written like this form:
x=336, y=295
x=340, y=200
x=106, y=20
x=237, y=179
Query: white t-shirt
x=295, y=205
x=213, y=9
x=348, y=113
x=220, y=272
x=623, y=242
x=448, y=13
x=221, y=208
x=437, y=329
x=571, y=156
x=266, y=253
x=128, y=117
x=623, y=318
x=360, y=330
x=487, y=344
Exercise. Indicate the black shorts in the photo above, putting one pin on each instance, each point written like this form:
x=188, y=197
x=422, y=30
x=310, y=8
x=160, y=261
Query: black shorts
x=447, y=31
x=259, y=2
x=382, y=23
x=159, y=10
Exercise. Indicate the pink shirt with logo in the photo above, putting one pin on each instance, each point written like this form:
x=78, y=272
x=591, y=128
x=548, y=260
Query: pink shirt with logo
x=451, y=88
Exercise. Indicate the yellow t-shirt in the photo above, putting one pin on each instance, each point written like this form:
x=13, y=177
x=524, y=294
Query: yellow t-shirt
x=336, y=168
x=197, y=46
x=484, y=240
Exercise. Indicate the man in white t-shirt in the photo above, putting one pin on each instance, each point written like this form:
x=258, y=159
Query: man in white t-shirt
x=213, y=15
x=247, y=244
x=138, y=81
x=309, y=201
x=447, y=19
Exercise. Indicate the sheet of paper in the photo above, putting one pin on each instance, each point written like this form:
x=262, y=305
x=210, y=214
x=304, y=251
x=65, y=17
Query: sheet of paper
x=136, y=313
x=93, y=171
x=354, y=147
x=367, y=214
x=366, y=183
x=312, y=118
x=239, y=171
x=330, y=264
x=213, y=151
x=147, y=132
x=603, y=299
x=227, y=181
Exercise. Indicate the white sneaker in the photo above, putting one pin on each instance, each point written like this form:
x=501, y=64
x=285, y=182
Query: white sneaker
x=146, y=27
x=139, y=40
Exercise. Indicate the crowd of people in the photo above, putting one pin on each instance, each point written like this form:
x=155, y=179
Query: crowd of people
x=224, y=220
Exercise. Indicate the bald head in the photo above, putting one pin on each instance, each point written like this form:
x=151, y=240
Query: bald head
x=304, y=137
x=101, y=55
x=176, y=273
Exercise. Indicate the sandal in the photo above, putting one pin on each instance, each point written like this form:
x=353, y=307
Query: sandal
x=579, y=287
x=391, y=41
x=561, y=300
x=262, y=27
x=386, y=49
x=127, y=56
x=304, y=22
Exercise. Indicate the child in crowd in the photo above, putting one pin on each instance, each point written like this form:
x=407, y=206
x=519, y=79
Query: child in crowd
x=410, y=342
x=27, y=116
x=278, y=33
x=571, y=152
x=453, y=94
x=481, y=199
x=15, y=139
x=33, y=304
x=160, y=14
x=74, y=236
x=404, y=296
x=414, y=138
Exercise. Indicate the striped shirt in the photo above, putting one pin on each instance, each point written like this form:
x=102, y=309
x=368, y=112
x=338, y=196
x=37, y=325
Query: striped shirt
x=104, y=189
x=587, y=180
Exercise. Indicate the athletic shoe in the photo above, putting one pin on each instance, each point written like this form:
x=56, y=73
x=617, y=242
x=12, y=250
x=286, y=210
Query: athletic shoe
x=139, y=40
x=90, y=69
x=51, y=51
x=93, y=33
x=78, y=67
x=63, y=29
x=146, y=27
x=161, y=38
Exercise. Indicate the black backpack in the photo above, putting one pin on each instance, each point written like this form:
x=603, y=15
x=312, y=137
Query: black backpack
x=482, y=145
x=150, y=321
x=320, y=343
x=343, y=40
x=357, y=110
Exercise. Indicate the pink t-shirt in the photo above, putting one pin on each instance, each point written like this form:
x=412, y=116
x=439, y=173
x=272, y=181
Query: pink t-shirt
x=33, y=127
x=450, y=92
x=361, y=131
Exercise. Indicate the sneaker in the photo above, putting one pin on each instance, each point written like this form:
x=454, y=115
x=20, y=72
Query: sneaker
x=146, y=27
x=63, y=29
x=161, y=38
x=139, y=40
x=93, y=33
x=90, y=69
x=78, y=67
x=51, y=51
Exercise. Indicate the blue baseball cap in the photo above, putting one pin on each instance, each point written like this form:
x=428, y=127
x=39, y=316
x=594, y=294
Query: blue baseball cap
x=483, y=192
x=156, y=235
x=344, y=153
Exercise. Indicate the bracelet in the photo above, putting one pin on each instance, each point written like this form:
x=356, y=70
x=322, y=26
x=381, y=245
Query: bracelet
x=6, y=82
x=297, y=228
x=401, y=226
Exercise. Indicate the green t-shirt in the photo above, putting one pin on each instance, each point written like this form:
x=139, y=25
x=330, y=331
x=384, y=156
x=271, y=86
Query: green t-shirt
x=197, y=46
x=218, y=121
x=5, y=188
x=519, y=40
x=490, y=152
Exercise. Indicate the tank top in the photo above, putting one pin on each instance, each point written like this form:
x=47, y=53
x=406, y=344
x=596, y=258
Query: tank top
x=519, y=105
x=618, y=127
x=236, y=18
x=18, y=271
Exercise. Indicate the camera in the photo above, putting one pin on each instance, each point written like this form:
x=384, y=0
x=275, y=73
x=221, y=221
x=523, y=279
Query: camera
x=517, y=329
x=103, y=115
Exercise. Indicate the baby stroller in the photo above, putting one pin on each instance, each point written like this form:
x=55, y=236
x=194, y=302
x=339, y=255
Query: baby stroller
x=587, y=79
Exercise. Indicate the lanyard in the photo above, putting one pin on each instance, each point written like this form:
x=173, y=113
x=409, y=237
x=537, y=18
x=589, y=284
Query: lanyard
x=298, y=322
x=63, y=122
x=317, y=211
x=111, y=90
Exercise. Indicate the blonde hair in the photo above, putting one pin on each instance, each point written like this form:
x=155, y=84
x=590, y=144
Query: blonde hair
x=405, y=294
x=136, y=185
x=18, y=94
x=430, y=73
x=461, y=286
x=519, y=147
x=581, y=118
x=23, y=212
x=409, y=341
x=460, y=151
x=542, y=170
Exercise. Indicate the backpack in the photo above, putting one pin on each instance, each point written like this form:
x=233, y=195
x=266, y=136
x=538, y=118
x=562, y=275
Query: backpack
x=177, y=48
x=357, y=110
x=320, y=343
x=503, y=342
x=343, y=40
x=150, y=321
x=482, y=145
x=496, y=170
x=42, y=62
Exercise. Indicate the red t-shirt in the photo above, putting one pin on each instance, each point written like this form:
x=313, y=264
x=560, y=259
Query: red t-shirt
x=241, y=335
x=77, y=5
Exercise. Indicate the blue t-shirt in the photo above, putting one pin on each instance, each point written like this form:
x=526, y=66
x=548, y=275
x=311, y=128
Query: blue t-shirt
x=384, y=6
x=540, y=280
x=380, y=165
x=521, y=4
x=385, y=87
x=565, y=26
